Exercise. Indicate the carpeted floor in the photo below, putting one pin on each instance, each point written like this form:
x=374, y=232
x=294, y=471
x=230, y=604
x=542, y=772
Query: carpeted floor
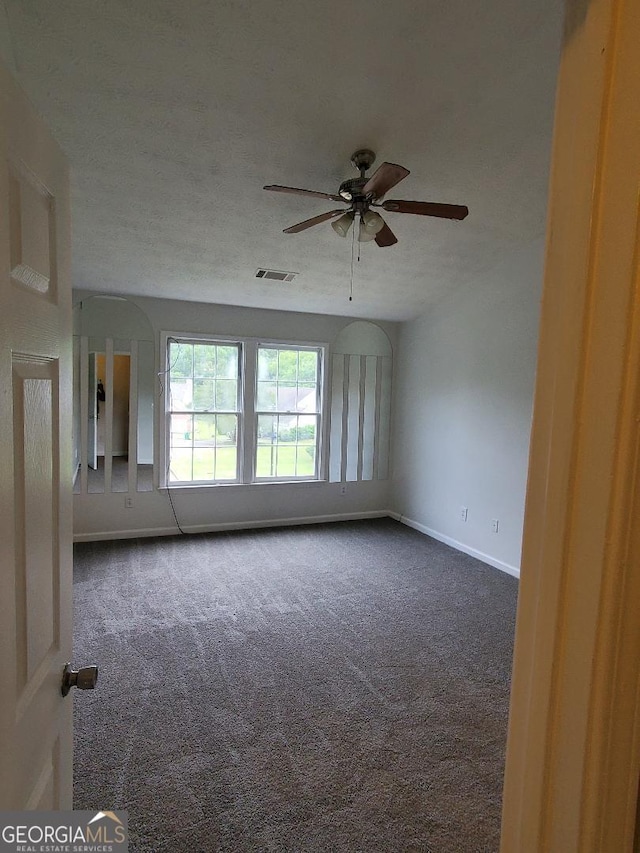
x=339, y=687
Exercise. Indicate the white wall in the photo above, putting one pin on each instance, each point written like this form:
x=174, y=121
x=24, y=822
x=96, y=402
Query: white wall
x=463, y=405
x=200, y=508
x=176, y=316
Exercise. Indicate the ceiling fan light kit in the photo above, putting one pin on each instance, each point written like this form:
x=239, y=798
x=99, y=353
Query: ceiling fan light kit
x=341, y=226
x=365, y=236
x=372, y=222
x=361, y=194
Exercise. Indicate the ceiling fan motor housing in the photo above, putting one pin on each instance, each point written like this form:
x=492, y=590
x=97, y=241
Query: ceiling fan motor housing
x=352, y=188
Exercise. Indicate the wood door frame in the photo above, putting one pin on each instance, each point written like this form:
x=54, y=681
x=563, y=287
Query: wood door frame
x=573, y=756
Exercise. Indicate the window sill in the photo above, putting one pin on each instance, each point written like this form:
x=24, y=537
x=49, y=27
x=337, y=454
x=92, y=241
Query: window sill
x=257, y=483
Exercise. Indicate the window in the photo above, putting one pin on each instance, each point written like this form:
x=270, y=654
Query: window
x=287, y=412
x=213, y=386
x=203, y=411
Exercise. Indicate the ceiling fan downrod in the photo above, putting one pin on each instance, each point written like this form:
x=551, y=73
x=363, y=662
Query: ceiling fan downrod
x=363, y=159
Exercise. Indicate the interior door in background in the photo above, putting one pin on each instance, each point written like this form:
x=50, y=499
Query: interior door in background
x=35, y=461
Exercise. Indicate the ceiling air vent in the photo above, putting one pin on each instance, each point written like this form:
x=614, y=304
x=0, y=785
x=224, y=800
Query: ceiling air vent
x=276, y=275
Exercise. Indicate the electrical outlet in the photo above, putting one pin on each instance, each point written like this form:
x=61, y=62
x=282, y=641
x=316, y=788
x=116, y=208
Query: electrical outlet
x=343, y=489
x=495, y=525
x=464, y=512
x=128, y=502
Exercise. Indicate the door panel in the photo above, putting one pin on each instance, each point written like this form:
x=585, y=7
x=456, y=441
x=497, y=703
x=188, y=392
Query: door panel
x=35, y=460
x=33, y=219
x=36, y=516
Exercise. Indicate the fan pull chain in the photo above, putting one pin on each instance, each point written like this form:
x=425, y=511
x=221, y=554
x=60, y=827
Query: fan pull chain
x=353, y=240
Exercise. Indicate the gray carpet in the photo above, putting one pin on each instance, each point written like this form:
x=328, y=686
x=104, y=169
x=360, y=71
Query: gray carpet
x=339, y=687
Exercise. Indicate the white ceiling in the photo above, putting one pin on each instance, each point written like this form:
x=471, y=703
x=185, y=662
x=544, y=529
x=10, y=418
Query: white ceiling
x=175, y=114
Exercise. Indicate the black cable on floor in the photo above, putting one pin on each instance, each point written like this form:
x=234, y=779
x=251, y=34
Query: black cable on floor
x=174, y=512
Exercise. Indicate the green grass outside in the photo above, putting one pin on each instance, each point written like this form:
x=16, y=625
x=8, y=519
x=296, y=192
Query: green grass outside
x=283, y=455
x=283, y=458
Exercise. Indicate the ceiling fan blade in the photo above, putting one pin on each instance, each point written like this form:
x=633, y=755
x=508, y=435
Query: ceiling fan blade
x=316, y=220
x=277, y=189
x=385, y=236
x=387, y=175
x=426, y=208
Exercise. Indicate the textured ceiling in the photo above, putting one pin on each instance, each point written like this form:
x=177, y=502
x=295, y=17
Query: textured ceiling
x=175, y=114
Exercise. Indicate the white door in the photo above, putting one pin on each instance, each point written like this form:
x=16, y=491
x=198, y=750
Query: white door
x=35, y=461
x=92, y=434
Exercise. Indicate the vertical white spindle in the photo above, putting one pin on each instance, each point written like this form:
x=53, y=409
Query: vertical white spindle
x=385, y=420
x=108, y=414
x=84, y=413
x=337, y=400
x=353, y=418
x=132, y=481
x=369, y=416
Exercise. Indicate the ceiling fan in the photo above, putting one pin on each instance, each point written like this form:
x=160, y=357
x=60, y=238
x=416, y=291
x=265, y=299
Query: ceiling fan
x=362, y=194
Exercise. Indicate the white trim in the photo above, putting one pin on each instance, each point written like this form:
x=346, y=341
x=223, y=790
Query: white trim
x=230, y=525
x=459, y=546
x=221, y=484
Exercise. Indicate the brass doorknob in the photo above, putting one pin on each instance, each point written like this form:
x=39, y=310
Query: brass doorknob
x=84, y=678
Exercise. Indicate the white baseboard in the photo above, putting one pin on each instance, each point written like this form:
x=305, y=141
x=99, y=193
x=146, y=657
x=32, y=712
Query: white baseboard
x=100, y=536
x=229, y=525
x=459, y=546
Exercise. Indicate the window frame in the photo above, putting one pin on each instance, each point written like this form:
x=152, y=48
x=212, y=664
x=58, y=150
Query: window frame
x=319, y=413
x=168, y=338
x=247, y=441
